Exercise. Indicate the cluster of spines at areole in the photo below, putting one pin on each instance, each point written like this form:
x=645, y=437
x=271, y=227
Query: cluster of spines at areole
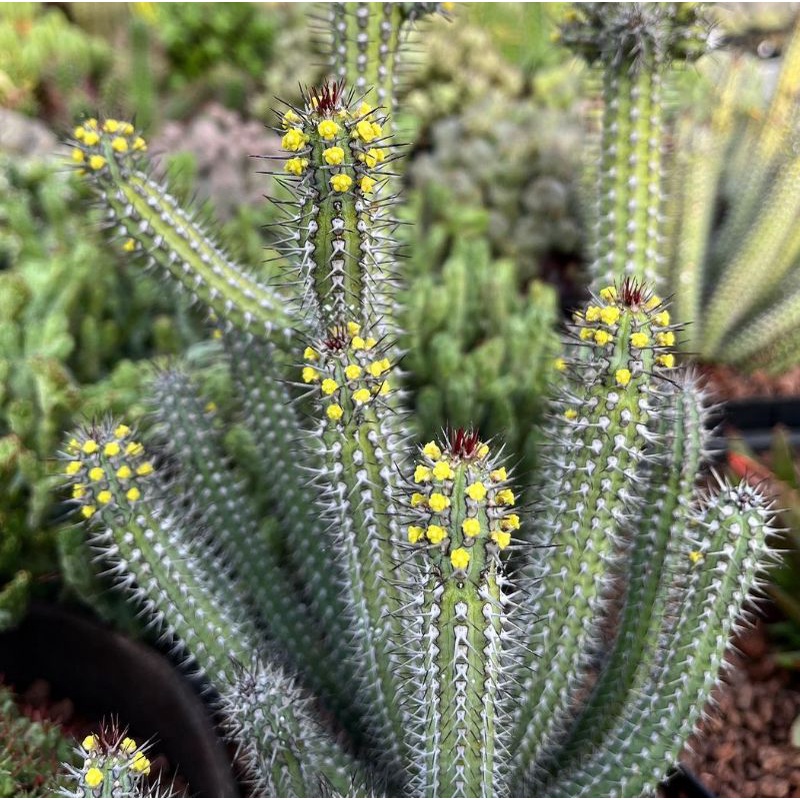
x=431, y=648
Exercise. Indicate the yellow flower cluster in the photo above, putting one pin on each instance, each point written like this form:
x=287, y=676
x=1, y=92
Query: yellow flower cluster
x=96, y=141
x=484, y=494
x=349, y=374
x=103, y=467
x=125, y=753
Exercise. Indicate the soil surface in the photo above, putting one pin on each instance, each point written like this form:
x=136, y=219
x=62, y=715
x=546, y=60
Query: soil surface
x=729, y=384
x=743, y=748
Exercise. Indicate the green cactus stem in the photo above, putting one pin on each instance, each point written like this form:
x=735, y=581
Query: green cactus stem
x=461, y=517
x=111, y=155
x=634, y=43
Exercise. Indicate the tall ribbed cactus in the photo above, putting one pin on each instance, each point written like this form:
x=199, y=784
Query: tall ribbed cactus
x=381, y=588
x=634, y=45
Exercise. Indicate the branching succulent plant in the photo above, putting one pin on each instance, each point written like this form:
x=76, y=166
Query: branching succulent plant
x=402, y=625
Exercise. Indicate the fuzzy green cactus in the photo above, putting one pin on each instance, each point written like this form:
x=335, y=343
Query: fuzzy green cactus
x=742, y=159
x=576, y=666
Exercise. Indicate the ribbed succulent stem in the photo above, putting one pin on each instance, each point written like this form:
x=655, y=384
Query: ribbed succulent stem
x=598, y=444
x=233, y=528
x=714, y=569
x=143, y=210
x=182, y=588
x=629, y=212
x=461, y=520
x=670, y=482
x=285, y=750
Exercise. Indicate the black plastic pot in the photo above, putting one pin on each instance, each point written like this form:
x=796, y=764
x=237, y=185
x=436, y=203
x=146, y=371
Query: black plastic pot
x=754, y=420
x=682, y=782
x=104, y=673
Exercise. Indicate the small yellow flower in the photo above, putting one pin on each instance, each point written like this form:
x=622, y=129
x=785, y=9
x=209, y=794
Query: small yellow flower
x=124, y=472
x=90, y=742
x=622, y=376
x=134, y=449
x=329, y=386
x=438, y=502
x=365, y=131
x=105, y=497
x=377, y=368
x=77, y=155
x=129, y=246
x=310, y=354
x=476, y=491
x=608, y=294
x=310, y=375
x=133, y=494
x=459, y=558
x=78, y=491
x=483, y=451
x=442, y=471
x=415, y=533
x=293, y=140
x=334, y=412
x=97, y=162
x=328, y=129
x=353, y=328
x=364, y=110
x=570, y=413
x=90, y=446
x=661, y=319
x=361, y=396
x=126, y=129
x=367, y=184
x=592, y=313
x=73, y=467
x=295, y=166
x=333, y=155
x=79, y=133
x=422, y=474
x=471, y=527
x=385, y=389
x=376, y=130
x=111, y=449
x=499, y=475
x=510, y=523
x=139, y=143
x=417, y=499
x=695, y=556
x=290, y=118
x=91, y=123
x=432, y=451
x=370, y=342
x=505, y=497
x=73, y=446
x=352, y=372
x=121, y=431
x=603, y=338
x=341, y=182
x=111, y=126
x=374, y=156
x=501, y=538
x=666, y=339
x=610, y=315
x=667, y=360
x=90, y=139
x=141, y=764
x=93, y=777
x=128, y=745
x=586, y=334
x=119, y=144
x=96, y=474
x=653, y=302
x=436, y=534
x=143, y=470
x=88, y=511
x=560, y=364
x=639, y=340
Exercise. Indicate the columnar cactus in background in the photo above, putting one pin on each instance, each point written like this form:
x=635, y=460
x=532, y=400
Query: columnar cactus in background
x=634, y=45
x=400, y=624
